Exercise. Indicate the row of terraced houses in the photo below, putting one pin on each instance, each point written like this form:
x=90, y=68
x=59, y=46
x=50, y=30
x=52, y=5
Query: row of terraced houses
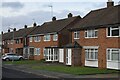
x=93, y=40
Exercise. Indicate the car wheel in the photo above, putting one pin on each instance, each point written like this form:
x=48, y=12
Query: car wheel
x=7, y=59
x=21, y=59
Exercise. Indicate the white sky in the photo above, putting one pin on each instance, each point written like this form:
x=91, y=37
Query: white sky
x=17, y=13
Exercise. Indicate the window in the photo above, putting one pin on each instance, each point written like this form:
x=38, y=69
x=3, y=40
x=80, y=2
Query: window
x=30, y=39
x=113, y=31
x=91, y=54
x=55, y=37
x=37, y=51
x=113, y=54
x=37, y=38
x=76, y=35
x=47, y=37
x=45, y=52
x=91, y=33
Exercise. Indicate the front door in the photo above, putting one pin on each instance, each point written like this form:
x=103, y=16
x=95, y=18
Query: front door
x=61, y=55
x=68, y=57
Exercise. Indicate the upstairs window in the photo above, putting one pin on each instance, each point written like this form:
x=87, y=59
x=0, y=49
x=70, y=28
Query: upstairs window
x=91, y=33
x=37, y=38
x=47, y=37
x=113, y=32
x=76, y=35
x=55, y=37
x=30, y=39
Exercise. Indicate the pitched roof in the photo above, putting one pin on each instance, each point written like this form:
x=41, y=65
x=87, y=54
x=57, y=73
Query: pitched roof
x=54, y=26
x=17, y=34
x=99, y=18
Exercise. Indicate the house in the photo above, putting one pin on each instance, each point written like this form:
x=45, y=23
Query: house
x=97, y=39
x=15, y=41
x=44, y=40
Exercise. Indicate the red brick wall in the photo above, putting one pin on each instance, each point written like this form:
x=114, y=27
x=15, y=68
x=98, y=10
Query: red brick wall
x=42, y=44
x=102, y=41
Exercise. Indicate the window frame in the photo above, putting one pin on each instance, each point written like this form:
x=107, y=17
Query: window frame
x=37, y=38
x=55, y=37
x=112, y=28
x=77, y=35
x=89, y=53
x=36, y=51
x=30, y=39
x=110, y=54
x=45, y=37
x=91, y=33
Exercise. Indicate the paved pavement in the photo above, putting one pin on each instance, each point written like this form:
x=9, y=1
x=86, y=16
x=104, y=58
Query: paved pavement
x=50, y=74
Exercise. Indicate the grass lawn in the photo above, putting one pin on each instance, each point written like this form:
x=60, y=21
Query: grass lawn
x=22, y=62
x=39, y=65
x=74, y=70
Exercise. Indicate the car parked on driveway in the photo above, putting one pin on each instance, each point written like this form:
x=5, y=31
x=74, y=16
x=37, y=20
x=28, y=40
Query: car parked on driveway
x=11, y=56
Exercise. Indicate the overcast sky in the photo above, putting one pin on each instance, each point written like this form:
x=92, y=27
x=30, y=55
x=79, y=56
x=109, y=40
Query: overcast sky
x=17, y=13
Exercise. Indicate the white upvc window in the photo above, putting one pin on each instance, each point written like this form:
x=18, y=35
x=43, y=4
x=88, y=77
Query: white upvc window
x=76, y=35
x=30, y=39
x=55, y=37
x=37, y=38
x=91, y=33
x=113, y=54
x=113, y=31
x=45, y=52
x=91, y=53
x=37, y=51
x=47, y=37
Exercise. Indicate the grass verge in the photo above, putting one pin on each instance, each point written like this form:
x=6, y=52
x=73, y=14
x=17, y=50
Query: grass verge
x=74, y=70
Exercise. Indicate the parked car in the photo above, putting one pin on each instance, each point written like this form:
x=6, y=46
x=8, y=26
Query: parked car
x=11, y=56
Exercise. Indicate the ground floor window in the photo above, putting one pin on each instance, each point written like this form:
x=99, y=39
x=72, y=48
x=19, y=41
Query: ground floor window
x=51, y=54
x=113, y=54
x=31, y=51
x=37, y=51
x=91, y=53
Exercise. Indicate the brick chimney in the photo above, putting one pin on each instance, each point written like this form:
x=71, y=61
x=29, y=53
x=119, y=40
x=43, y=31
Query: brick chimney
x=54, y=18
x=25, y=26
x=110, y=3
x=8, y=30
x=70, y=15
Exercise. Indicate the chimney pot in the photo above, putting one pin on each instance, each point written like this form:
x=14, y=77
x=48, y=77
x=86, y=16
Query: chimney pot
x=25, y=26
x=8, y=30
x=2, y=32
x=70, y=15
x=110, y=3
x=34, y=24
x=54, y=18
x=14, y=29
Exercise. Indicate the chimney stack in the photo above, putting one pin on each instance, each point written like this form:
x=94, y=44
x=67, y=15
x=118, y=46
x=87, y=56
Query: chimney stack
x=2, y=32
x=54, y=18
x=110, y=3
x=14, y=29
x=25, y=26
x=70, y=15
x=34, y=24
x=8, y=30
